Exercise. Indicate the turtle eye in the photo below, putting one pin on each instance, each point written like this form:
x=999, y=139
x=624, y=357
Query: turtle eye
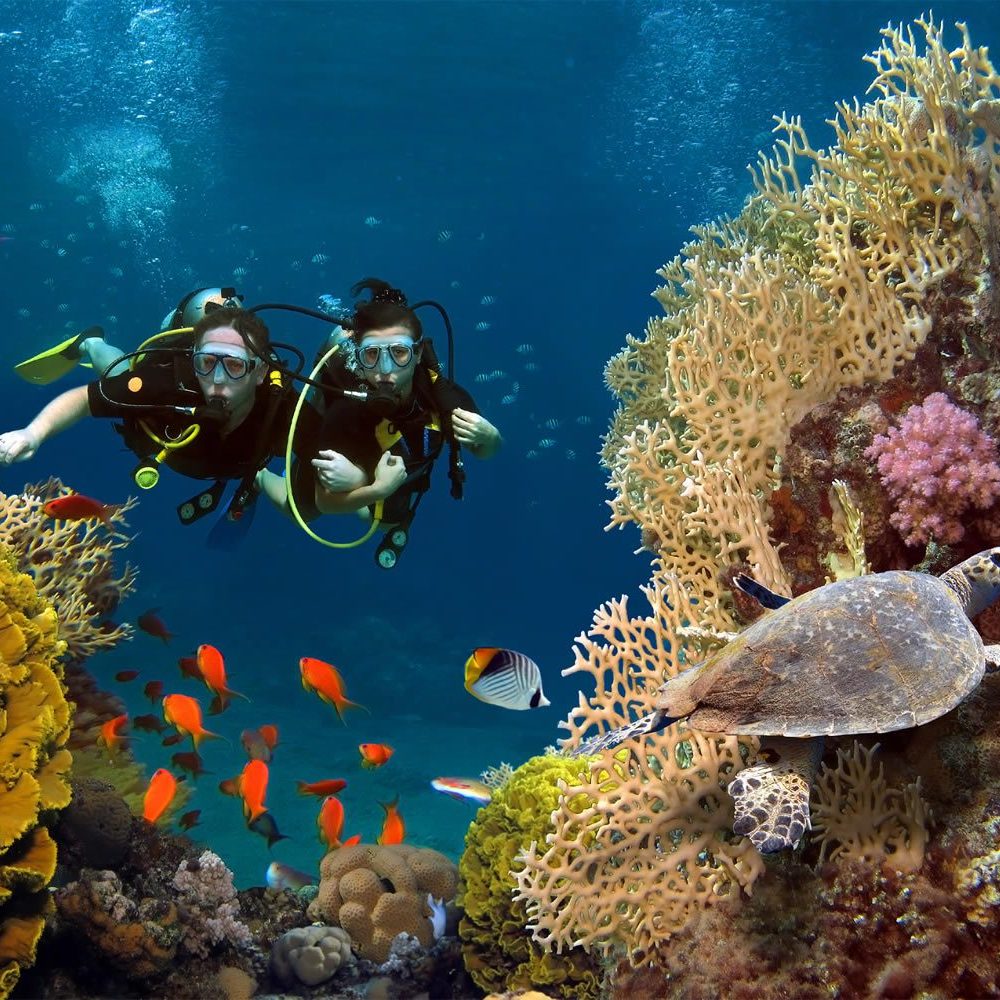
x=995, y=557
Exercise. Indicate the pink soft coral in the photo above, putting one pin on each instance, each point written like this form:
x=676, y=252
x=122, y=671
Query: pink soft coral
x=936, y=465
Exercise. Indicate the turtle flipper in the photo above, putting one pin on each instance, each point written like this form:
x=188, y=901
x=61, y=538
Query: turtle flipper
x=651, y=723
x=772, y=798
x=992, y=659
x=763, y=595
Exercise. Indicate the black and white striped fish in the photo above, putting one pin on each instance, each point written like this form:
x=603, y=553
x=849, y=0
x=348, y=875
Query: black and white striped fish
x=505, y=678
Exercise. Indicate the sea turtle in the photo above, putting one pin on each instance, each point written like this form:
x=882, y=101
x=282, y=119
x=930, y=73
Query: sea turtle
x=871, y=654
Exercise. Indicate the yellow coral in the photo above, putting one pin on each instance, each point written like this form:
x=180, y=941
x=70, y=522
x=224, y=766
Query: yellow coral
x=72, y=563
x=34, y=726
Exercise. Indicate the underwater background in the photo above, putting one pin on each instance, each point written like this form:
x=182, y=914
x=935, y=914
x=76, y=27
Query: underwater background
x=528, y=165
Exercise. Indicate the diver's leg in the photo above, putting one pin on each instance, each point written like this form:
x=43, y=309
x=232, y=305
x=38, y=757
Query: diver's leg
x=273, y=487
x=102, y=355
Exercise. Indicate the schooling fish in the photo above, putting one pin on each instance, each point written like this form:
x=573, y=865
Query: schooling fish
x=393, y=827
x=153, y=691
x=124, y=676
x=266, y=826
x=466, y=789
x=111, y=734
x=251, y=786
x=281, y=876
x=159, y=794
x=184, y=713
x=188, y=666
x=152, y=624
x=212, y=668
x=330, y=786
x=330, y=822
x=325, y=680
x=189, y=819
x=255, y=745
x=148, y=723
x=505, y=678
x=77, y=507
x=189, y=761
x=270, y=734
x=374, y=754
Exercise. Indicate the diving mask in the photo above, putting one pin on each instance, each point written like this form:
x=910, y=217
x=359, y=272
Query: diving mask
x=385, y=357
x=235, y=366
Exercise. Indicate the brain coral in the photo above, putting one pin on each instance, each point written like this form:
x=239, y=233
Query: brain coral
x=34, y=726
x=499, y=954
x=377, y=892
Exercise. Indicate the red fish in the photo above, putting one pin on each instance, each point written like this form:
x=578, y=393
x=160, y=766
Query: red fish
x=126, y=675
x=77, y=507
x=111, y=734
x=212, y=668
x=184, y=713
x=393, y=827
x=189, y=761
x=325, y=680
x=148, y=723
x=374, y=754
x=189, y=819
x=270, y=735
x=188, y=666
x=328, y=787
x=153, y=691
x=159, y=795
x=172, y=740
x=330, y=822
x=255, y=745
x=152, y=624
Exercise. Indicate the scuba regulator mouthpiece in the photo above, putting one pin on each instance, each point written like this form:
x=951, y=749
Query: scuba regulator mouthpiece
x=212, y=411
x=384, y=400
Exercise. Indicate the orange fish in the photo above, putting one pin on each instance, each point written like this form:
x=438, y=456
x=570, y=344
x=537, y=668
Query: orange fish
x=189, y=819
x=212, y=669
x=153, y=691
x=251, y=787
x=374, y=754
x=111, y=734
x=77, y=507
x=393, y=827
x=126, y=675
x=159, y=795
x=269, y=734
x=325, y=680
x=152, y=624
x=328, y=787
x=330, y=822
x=184, y=713
x=351, y=841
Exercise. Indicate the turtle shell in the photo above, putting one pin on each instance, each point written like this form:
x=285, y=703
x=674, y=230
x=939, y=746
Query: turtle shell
x=867, y=655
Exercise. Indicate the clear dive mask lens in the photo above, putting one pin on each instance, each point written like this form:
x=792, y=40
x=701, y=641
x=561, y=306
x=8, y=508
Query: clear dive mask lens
x=235, y=367
x=385, y=357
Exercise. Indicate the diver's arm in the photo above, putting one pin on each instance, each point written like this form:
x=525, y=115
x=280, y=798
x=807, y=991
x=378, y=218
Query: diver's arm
x=390, y=473
x=64, y=411
x=475, y=432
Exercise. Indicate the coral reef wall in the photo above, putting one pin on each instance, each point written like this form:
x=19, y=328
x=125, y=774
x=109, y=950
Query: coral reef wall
x=34, y=764
x=822, y=289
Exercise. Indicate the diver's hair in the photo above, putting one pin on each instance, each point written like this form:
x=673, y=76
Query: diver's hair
x=386, y=307
x=248, y=325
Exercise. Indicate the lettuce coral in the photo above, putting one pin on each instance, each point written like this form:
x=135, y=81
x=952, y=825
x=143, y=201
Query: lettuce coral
x=34, y=764
x=498, y=954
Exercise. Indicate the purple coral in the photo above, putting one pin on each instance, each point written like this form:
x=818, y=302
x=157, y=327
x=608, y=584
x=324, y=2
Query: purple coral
x=935, y=465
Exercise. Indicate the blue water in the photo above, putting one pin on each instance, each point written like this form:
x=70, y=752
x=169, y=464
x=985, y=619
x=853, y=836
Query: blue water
x=547, y=155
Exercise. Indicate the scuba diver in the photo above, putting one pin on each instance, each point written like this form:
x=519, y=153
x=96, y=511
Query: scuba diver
x=206, y=397
x=376, y=453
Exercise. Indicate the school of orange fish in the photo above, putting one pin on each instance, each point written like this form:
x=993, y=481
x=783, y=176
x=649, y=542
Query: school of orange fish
x=183, y=714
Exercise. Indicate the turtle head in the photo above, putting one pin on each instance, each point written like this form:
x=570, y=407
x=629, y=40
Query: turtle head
x=976, y=581
x=675, y=698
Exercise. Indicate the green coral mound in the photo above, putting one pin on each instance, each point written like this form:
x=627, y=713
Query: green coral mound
x=499, y=953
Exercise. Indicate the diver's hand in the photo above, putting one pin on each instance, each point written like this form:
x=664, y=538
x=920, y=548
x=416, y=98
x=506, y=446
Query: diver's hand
x=390, y=474
x=336, y=473
x=475, y=431
x=17, y=446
